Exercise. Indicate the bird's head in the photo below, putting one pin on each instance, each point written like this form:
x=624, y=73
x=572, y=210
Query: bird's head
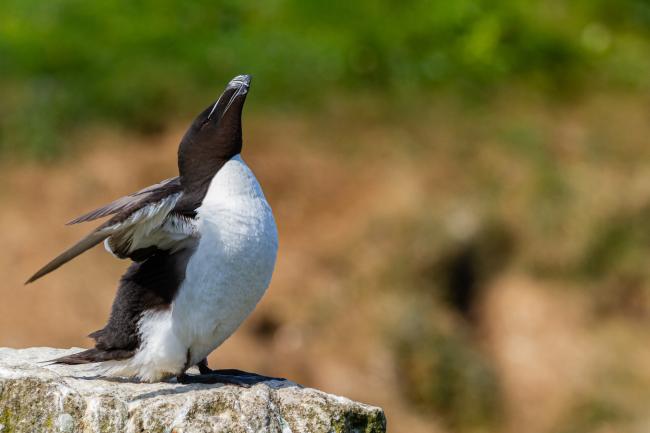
x=215, y=135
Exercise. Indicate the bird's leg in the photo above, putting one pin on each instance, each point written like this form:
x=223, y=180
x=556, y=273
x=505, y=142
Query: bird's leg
x=203, y=366
x=226, y=376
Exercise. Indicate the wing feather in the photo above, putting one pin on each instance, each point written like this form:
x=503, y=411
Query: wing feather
x=132, y=201
x=83, y=245
x=142, y=228
x=146, y=222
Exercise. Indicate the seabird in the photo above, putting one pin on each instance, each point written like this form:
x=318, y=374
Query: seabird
x=203, y=246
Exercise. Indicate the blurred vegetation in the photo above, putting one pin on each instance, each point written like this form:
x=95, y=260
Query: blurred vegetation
x=136, y=64
x=592, y=415
x=445, y=373
x=441, y=270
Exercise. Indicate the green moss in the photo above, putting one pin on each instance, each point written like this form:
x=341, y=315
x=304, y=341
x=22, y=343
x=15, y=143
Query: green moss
x=338, y=426
x=5, y=420
x=106, y=425
x=355, y=422
x=212, y=407
x=376, y=423
x=26, y=406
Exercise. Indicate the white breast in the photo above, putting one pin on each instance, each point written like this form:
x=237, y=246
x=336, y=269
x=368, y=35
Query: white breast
x=225, y=278
x=233, y=263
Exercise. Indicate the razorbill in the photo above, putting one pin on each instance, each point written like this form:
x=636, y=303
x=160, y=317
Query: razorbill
x=203, y=246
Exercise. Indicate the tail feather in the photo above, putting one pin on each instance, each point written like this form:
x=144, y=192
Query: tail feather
x=93, y=355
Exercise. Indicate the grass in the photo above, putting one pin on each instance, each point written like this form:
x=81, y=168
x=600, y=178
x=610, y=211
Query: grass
x=70, y=63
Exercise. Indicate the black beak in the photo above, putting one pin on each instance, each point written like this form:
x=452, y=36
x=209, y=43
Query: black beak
x=236, y=89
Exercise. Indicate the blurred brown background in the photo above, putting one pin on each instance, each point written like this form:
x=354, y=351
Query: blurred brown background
x=462, y=192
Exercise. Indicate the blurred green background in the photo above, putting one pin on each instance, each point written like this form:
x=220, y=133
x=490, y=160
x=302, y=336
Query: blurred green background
x=462, y=190
x=136, y=64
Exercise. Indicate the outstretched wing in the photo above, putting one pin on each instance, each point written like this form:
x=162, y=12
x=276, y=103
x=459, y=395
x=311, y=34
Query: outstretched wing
x=142, y=223
x=133, y=201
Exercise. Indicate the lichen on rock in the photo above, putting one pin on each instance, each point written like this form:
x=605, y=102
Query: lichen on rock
x=35, y=397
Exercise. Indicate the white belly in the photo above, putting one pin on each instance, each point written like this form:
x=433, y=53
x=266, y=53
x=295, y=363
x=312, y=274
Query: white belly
x=225, y=278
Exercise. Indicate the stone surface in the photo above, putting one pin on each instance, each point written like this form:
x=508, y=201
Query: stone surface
x=36, y=397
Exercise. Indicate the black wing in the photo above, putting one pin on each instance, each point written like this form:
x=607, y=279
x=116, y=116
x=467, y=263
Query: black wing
x=142, y=221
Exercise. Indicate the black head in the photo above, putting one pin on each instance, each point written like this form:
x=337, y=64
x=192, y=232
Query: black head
x=214, y=137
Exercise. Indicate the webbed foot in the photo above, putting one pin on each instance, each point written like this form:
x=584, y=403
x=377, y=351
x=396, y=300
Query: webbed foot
x=225, y=376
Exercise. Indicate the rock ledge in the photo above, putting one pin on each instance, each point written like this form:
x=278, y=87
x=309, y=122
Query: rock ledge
x=40, y=398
